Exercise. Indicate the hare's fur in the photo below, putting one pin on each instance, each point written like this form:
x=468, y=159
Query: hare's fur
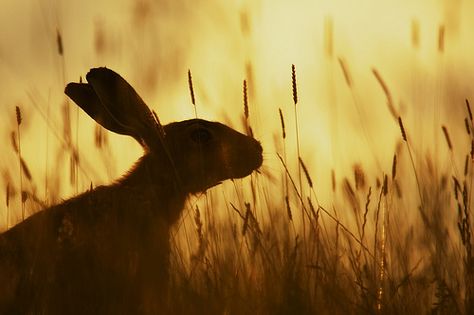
x=106, y=251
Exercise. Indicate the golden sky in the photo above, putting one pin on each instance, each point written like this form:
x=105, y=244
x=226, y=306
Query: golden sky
x=153, y=44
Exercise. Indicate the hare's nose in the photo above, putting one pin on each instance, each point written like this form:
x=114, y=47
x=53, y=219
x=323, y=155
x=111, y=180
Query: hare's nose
x=258, y=147
x=258, y=151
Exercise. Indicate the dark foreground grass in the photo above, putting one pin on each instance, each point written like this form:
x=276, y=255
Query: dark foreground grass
x=390, y=262
x=393, y=243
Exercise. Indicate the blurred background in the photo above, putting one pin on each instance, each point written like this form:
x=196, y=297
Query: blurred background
x=359, y=65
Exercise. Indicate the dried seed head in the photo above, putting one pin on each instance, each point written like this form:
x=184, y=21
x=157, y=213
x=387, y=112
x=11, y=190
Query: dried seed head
x=469, y=109
x=472, y=149
x=402, y=129
x=246, y=102
x=446, y=136
x=99, y=39
x=306, y=173
x=398, y=189
x=293, y=84
x=359, y=176
x=333, y=180
x=75, y=155
x=191, y=88
x=24, y=196
x=385, y=185
x=282, y=121
x=249, y=75
x=468, y=127
x=59, y=42
x=394, y=167
x=430, y=166
x=18, y=115
x=7, y=194
x=288, y=208
x=444, y=182
x=25, y=169
x=98, y=136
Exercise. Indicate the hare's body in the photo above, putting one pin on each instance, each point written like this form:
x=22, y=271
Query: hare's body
x=106, y=250
x=94, y=252
x=72, y=259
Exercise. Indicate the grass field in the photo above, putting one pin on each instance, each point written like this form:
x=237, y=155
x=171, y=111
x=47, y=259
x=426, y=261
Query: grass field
x=363, y=202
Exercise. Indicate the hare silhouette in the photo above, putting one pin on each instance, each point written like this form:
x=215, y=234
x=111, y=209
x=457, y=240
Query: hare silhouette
x=106, y=250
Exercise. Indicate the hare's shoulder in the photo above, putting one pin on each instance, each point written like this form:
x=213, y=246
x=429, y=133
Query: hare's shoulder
x=105, y=218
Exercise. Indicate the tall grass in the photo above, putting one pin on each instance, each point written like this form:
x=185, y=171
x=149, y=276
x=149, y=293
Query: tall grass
x=379, y=260
x=383, y=245
x=362, y=254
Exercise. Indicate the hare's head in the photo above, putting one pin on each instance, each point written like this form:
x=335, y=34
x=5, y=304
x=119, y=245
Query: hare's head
x=201, y=153
x=206, y=153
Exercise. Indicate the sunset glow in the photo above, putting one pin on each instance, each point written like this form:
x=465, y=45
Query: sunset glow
x=361, y=67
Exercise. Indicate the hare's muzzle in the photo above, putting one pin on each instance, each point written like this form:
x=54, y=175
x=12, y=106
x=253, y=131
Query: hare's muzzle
x=258, y=154
x=246, y=159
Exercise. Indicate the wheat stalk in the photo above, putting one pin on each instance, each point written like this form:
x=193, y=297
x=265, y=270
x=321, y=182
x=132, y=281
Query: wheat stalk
x=191, y=92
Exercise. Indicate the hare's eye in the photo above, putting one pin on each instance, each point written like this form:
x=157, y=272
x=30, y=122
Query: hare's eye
x=201, y=135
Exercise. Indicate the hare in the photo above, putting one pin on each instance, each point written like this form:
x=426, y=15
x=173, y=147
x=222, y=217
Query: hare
x=106, y=251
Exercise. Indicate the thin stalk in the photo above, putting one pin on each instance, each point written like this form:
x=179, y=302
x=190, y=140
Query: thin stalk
x=305, y=211
x=300, y=182
x=412, y=160
x=18, y=123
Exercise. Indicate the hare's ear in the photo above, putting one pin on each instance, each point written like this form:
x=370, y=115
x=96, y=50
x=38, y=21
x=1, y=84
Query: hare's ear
x=114, y=104
x=84, y=96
